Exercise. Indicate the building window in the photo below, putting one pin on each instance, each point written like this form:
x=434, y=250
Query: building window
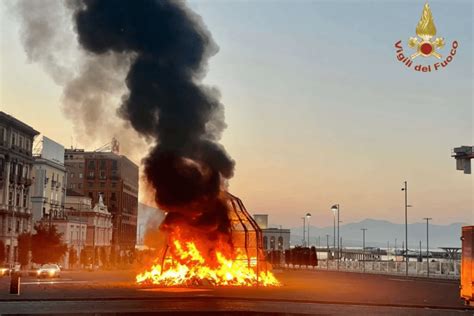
x=17, y=199
x=91, y=174
x=80, y=175
x=71, y=175
x=114, y=165
x=272, y=243
x=13, y=140
x=102, y=164
x=25, y=198
x=91, y=164
x=79, y=185
x=17, y=229
x=102, y=174
x=280, y=243
x=265, y=242
x=90, y=185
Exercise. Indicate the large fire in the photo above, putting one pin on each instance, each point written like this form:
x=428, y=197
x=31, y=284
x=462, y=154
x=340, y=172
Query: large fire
x=190, y=263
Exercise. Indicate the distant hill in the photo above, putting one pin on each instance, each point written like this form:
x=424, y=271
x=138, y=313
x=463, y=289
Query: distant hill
x=381, y=231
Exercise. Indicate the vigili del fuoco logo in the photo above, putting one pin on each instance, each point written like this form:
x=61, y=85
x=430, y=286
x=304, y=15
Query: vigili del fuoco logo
x=426, y=45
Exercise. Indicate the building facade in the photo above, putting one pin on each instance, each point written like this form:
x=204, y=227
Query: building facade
x=98, y=239
x=16, y=161
x=115, y=178
x=273, y=238
x=49, y=184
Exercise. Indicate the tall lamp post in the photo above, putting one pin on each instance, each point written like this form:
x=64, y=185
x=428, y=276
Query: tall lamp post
x=304, y=230
x=337, y=208
x=405, y=188
x=308, y=216
x=427, y=219
x=363, y=245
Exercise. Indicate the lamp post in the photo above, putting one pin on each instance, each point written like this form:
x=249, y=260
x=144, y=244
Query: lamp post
x=304, y=230
x=327, y=257
x=405, y=188
x=308, y=216
x=363, y=245
x=427, y=219
x=337, y=208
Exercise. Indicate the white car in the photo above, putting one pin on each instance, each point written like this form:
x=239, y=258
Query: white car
x=49, y=271
x=5, y=270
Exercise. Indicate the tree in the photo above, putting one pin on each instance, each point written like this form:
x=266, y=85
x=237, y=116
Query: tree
x=84, y=257
x=103, y=256
x=46, y=245
x=72, y=257
x=24, y=247
x=2, y=252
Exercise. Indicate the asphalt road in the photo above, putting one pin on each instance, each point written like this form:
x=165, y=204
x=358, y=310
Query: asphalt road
x=310, y=292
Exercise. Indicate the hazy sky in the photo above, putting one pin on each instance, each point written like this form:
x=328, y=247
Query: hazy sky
x=319, y=110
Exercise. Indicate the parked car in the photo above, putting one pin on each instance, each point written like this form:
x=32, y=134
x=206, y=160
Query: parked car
x=49, y=271
x=5, y=270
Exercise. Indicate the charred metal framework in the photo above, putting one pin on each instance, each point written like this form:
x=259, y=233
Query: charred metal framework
x=246, y=236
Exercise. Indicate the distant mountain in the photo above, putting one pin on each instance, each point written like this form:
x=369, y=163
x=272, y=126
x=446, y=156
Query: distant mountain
x=380, y=231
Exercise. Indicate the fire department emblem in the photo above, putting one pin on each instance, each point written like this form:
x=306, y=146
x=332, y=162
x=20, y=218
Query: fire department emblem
x=426, y=31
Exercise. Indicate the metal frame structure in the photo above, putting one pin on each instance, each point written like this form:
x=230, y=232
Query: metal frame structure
x=246, y=235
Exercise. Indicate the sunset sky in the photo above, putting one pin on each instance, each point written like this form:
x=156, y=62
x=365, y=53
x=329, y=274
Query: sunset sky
x=318, y=108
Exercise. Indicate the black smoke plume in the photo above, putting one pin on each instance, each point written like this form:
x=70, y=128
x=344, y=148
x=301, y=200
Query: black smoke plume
x=166, y=100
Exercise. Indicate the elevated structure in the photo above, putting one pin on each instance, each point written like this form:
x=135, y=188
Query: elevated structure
x=463, y=156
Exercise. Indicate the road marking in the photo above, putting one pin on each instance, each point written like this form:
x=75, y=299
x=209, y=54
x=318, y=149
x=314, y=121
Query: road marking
x=402, y=280
x=53, y=282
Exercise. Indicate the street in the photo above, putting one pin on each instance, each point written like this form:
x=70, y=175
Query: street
x=309, y=292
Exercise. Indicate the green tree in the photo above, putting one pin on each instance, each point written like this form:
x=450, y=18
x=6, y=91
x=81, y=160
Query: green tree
x=46, y=245
x=3, y=256
x=24, y=247
x=72, y=257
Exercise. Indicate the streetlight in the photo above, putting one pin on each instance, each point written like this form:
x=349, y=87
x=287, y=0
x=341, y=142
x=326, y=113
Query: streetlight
x=405, y=188
x=327, y=257
x=304, y=230
x=308, y=216
x=363, y=245
x=337, y=208
x=427, y=247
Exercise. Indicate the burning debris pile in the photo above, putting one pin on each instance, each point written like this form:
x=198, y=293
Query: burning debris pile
x=167, y=47
x=187, y=261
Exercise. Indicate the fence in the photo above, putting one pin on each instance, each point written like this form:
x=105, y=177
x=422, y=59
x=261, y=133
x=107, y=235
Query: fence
x=438, y=269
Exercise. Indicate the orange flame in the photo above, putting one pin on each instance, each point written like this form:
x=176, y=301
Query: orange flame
x=188, y=265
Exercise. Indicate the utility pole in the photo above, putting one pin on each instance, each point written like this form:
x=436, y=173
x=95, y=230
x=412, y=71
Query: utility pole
x=388, y=250
x=363, y=245
x=396, y=249
x=427, y=246
x=405, y=188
